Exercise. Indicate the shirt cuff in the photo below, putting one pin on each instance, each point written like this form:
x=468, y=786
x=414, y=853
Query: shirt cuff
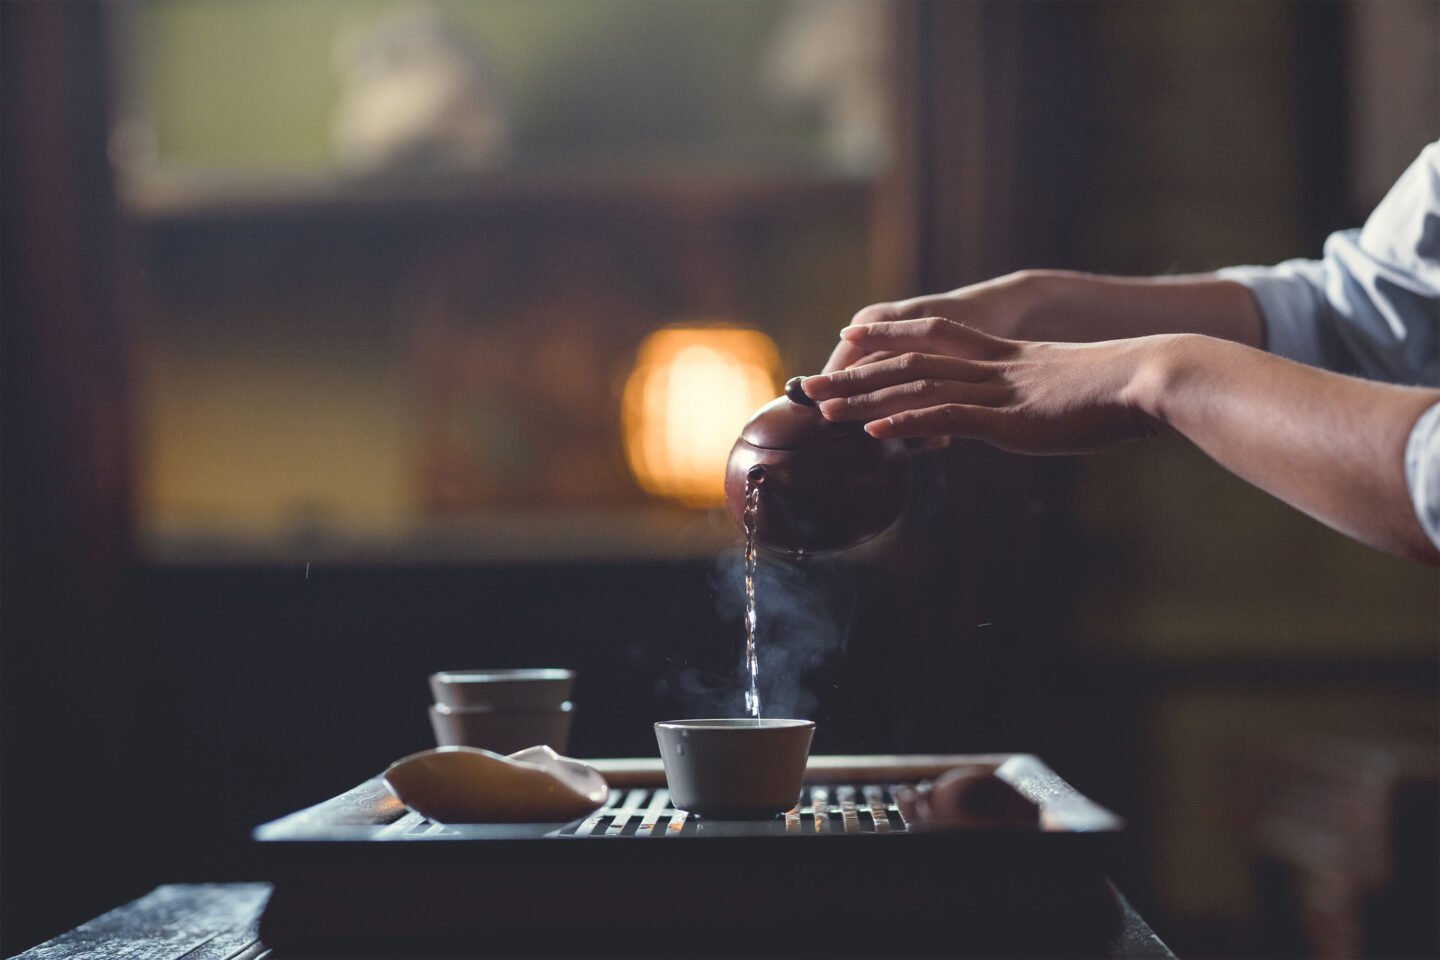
x=1291, y=298
x=1422, y=471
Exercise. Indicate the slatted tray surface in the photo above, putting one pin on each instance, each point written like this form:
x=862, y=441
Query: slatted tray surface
x=845, y=808
x=647, y=812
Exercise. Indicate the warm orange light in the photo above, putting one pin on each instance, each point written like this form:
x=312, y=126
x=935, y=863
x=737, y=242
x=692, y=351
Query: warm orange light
x=691, y=391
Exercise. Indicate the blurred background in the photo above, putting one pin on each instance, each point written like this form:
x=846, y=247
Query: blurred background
x=348, y=341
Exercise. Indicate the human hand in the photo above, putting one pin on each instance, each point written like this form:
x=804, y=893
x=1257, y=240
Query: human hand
x=1060, y=306
x=939, y=378
x=996, y=306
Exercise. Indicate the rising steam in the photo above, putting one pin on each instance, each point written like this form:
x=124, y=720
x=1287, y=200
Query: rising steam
x=804, y=610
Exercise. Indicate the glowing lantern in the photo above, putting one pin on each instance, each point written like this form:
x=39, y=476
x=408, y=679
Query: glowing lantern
x=691, y=391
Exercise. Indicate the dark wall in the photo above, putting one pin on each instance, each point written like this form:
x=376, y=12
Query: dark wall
x=67, y=679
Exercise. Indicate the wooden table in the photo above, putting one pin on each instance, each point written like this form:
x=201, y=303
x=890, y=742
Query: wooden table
x=218, y=921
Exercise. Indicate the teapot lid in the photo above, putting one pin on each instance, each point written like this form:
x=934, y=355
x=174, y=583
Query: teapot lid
x=793, y=421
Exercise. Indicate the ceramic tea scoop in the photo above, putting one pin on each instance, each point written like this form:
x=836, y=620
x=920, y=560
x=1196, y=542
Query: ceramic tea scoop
x=469, y=785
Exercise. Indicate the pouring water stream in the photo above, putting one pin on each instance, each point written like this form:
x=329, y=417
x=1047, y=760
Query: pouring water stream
x=754, y=482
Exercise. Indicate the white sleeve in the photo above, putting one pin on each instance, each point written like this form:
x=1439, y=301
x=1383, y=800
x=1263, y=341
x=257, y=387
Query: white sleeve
x=1422, y=471
x=1292, y=303
x=1372, y=305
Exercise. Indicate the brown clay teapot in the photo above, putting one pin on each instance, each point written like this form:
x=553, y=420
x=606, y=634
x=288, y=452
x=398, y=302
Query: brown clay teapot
x=824, y=486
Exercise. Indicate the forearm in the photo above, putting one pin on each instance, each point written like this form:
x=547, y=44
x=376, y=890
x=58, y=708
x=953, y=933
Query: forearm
x=1330, y=445
x=1078, y=307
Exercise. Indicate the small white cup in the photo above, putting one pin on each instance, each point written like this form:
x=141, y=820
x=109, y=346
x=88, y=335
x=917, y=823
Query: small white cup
x=735, y=768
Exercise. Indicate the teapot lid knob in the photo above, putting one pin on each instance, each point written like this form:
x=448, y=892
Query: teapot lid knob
x=795, y=394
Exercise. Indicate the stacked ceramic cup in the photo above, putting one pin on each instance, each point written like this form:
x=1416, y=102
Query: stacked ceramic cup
x=502, y=710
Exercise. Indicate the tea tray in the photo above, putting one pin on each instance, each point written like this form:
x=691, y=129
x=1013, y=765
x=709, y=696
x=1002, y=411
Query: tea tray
x=843, y=874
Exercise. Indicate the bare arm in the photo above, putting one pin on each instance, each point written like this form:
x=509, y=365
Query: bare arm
x=1078, y=308
x=1330, y=445
x=1065, y=307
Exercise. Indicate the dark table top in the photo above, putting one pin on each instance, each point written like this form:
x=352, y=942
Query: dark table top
x=219, y=921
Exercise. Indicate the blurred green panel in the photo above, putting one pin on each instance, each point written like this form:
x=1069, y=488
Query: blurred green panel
x=241, y=84
x=253, y=85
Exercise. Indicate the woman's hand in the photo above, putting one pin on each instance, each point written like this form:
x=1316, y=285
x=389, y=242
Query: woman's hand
x=939, y=378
